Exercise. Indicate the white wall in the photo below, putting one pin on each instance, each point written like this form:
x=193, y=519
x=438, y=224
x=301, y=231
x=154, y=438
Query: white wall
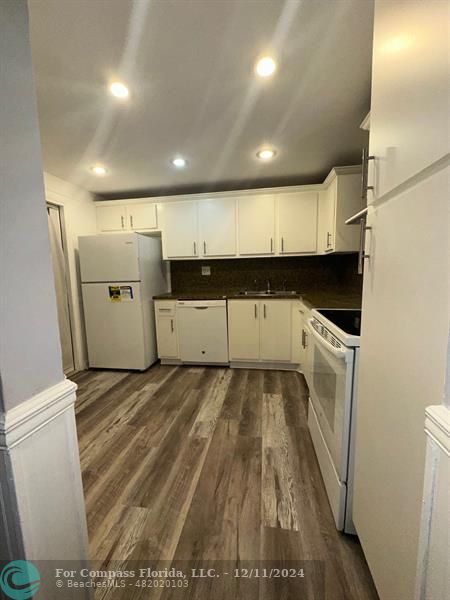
x=42, y=513
x=30, y=353
x=78, y=219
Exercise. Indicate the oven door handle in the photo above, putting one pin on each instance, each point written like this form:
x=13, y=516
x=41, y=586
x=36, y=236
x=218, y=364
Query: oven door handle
x=340, y=353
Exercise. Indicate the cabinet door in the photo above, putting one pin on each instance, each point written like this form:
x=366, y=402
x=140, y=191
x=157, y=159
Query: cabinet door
x=327, y=218
x=166, y=335
x=256, y=215
x=111, y=218
x=180, y=229
x=218, y=227
x=142, y=216
x=297, y=222
x=243, y=329
x=275, y=330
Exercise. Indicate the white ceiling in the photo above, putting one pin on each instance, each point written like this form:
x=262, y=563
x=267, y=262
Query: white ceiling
x=189, y=67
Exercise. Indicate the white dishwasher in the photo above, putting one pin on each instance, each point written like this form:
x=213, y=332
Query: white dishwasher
x=202, y=331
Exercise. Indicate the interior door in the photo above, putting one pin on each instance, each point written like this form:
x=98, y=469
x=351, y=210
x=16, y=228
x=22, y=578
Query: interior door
x=218, y=227
x=256, y=216
x=180, y=229
x=276, y=330
x=61, y=287
x=297, y=222
x=243, y=329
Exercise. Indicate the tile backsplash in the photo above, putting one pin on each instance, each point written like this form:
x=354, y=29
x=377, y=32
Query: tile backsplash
x=337, y=272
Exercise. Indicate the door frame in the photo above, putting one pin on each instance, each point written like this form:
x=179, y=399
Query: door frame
x=62, y=223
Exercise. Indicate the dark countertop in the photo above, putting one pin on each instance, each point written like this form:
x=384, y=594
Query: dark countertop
x=313, y=298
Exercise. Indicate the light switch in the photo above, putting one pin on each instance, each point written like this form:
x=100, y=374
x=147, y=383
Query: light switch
x=206, y=270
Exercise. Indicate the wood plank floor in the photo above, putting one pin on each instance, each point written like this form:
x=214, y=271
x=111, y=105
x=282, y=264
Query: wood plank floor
x=204, y=465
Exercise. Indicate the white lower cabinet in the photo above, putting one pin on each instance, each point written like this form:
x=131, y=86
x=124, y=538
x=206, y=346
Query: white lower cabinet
x=243, y=329
x=166, y=329
x=259, y=330
x=275, y=340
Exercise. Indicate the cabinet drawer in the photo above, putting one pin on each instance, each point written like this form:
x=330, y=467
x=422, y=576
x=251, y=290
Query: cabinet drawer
x=166, y=308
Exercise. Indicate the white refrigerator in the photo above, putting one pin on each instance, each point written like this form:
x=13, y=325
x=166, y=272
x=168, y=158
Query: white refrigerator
x=120, y=274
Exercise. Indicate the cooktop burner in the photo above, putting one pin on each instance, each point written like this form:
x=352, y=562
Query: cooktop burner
x=347, y=319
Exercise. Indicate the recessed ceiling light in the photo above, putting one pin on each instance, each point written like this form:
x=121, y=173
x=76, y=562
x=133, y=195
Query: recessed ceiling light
x=266, y=66
x=266, y=154
x=179, y=162
x=119, y=90
x=99, y=170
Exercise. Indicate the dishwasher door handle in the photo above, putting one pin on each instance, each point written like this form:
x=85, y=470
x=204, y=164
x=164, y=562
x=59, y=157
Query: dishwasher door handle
x=201, y=307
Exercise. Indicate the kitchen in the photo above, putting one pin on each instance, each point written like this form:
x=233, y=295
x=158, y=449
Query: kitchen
x=258, y=336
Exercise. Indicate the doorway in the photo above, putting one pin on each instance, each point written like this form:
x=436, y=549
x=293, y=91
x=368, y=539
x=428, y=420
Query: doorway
x=58, y=249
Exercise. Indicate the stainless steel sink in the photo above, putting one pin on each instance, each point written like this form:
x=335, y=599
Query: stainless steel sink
x=268, y=293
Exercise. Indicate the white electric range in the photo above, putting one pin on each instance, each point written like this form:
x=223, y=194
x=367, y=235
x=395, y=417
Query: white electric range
x=335, y=338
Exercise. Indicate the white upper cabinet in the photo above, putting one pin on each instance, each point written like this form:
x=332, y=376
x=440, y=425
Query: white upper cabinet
x=280, y=222
x=217, y=227
x=327, y=218
x=297, y=223
x=131, y=217
x=256, y=224
x=180, y=227
x=142, y=216
x=409, y=91
x=339, y=201
x=111, y=218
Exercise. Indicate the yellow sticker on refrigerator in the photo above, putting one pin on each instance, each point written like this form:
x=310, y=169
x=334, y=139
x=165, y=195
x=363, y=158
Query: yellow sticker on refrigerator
x=120, y=293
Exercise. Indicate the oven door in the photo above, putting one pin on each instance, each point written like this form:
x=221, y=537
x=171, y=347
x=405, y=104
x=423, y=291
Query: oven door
x=331, y=382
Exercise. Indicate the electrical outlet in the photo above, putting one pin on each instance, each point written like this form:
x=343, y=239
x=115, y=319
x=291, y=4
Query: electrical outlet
x=206, y=270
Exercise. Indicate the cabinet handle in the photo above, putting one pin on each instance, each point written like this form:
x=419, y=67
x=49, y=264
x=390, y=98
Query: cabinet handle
x=171, y=325
x=265, y=311
x=271, y=244
x=328, y=239
x=282, y=244
x=256, y=311
x=362, y=242
x=306, y=339
x=204, y=247
x=131, y=221
x=122, y=221
x=195, y=249
x=365, y=173
x=303, y=338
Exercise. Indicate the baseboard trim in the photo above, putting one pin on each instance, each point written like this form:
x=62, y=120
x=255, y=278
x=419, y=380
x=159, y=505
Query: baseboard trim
x=271, y=366
x=23, y=420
